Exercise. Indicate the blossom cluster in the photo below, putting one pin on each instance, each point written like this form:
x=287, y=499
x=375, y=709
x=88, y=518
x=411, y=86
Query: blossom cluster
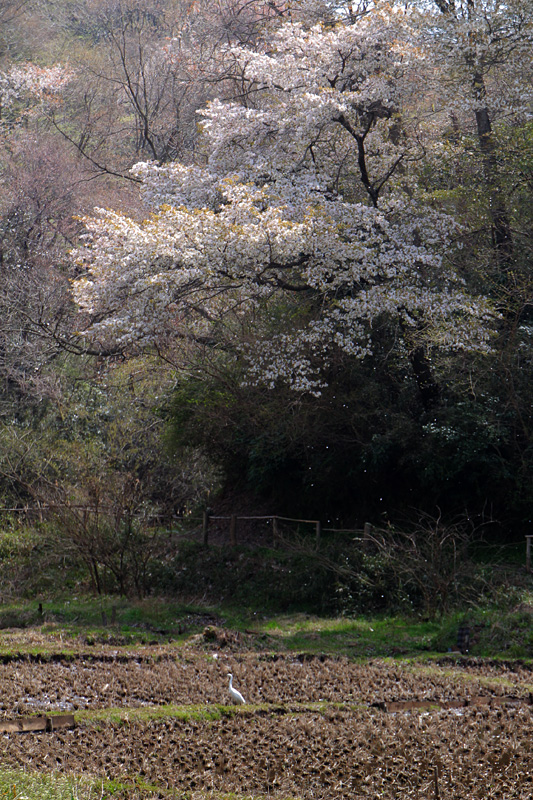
x=297, y=198
x=30, y=80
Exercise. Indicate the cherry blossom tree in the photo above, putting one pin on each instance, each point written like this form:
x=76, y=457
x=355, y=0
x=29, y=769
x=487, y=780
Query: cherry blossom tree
x=307, y=200
x=23, y=88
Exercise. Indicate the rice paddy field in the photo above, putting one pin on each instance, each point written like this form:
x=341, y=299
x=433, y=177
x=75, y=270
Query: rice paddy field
x=155, y=720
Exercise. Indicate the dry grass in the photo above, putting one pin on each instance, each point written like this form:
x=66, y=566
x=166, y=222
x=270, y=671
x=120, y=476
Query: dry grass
x=158, y=726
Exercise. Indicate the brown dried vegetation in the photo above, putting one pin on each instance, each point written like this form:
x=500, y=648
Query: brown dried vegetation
x=309, y=729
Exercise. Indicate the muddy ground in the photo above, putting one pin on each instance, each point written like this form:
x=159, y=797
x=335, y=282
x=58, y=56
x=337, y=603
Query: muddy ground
x=313, y=727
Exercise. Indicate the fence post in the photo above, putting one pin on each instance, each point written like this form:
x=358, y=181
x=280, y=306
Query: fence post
x=205, y=526
x=318, y=532
x=233, y=530
x=275, y=532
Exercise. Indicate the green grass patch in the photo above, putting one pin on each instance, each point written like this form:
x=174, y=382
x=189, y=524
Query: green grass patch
x=503, y=629
x=198, y=713
x=121, y=716
x=136, y=788
x=359, y=638
x=23, y=785
x=62, y=625
x=137, y=619
x=500, y=626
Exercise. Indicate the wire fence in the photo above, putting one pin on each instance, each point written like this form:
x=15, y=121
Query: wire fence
x=275, y=522
x=235, y=528
x=206, y=528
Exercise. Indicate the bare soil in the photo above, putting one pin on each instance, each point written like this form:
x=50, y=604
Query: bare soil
x=313, y=727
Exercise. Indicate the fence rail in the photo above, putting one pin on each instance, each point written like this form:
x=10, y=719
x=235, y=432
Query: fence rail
x=275, y=519
x=233, y=520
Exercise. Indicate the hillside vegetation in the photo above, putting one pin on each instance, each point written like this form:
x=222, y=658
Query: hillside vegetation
x=267, y=260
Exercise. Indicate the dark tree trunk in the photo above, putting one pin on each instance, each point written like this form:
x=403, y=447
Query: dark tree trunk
x=502, y=239
x=427, y=386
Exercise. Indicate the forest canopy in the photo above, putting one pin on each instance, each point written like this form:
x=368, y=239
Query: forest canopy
x=279, y=249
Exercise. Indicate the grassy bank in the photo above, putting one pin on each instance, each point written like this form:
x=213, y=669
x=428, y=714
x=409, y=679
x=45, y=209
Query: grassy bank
x=62, y=626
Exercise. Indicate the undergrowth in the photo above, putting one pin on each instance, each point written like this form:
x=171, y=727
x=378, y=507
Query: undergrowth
x=362, y=598
x=24, y=785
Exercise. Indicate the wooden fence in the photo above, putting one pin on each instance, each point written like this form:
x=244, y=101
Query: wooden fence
x=39, y=512
x=528, y=553
x=233, y=520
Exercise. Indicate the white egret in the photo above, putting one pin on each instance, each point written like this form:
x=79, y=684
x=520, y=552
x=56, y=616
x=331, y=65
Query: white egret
x=236, y=697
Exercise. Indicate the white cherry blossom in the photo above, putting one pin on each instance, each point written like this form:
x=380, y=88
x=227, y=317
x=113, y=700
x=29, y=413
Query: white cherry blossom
x=300, y=201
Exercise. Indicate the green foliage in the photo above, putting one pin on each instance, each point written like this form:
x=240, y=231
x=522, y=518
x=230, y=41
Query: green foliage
x=256, y=577
x=497, y=607
x=30, y=562
x=365, y=448
x=23, y=785
x=405, y=573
